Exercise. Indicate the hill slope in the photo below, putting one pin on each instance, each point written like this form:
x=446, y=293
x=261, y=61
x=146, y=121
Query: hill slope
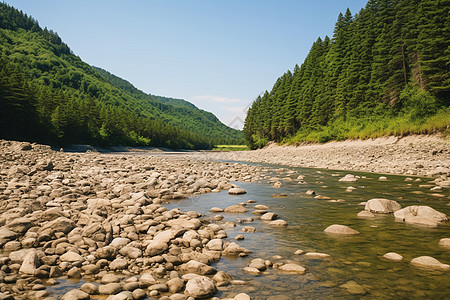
x=47, y=94
x=385, y=71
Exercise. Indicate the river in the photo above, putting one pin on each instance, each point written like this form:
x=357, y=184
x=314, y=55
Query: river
x=352, y=258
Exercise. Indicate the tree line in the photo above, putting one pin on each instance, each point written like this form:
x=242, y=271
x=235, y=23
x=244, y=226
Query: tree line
x=384, y=71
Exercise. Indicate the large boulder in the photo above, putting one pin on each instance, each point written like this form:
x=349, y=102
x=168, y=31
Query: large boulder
x=340, y=229
x=269, y=216
x=423, y=215
x=131, y=252
x=237, y=208
x=215, y=245
x=156, y=247
x=30, y=263
x=382, y=206
x=200, y=287
x=235, y=249
x=429, y=262
x=119, y=242
x=71, y=256
x=75, y=294
x=196, y=267
x=110, y=288
x=147, y=279
x=118, y=264
x=6, y=235
x=61, y=224
x=444, y=242
x=20, y=225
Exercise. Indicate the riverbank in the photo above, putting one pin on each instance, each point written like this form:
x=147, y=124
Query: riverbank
x=410, y=155
x=98, y=222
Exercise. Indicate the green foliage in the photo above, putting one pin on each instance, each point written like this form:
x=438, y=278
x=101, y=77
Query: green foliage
x=384, y=71
x=47, y=94
x=230, y=148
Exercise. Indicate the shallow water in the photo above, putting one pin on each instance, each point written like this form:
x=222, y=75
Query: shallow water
x=355, y=258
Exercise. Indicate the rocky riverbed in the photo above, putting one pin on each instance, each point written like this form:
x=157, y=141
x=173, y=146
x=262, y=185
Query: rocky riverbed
x=100, y=218
x=94, y=216
x=410, y=155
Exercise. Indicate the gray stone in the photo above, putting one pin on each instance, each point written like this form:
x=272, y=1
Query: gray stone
x=160, y=287
x=382, y=206
x=139, y=294
x=110, y=278
x=20, y=225
x=71, y=257
x=429, y=262
x=200, y=287
x=147, y=279
x=393, y=256
x=269, y=216
x=131, y=252
x=444, y=242
x=60, y=224
x=236, y=191
x=423, y=215
x=118, y=264
x=30, y=263
x=119, y=242
x=109, y=289
x=156, y=247
x=75, y=294
x=237, y=208
x=196, y=267
x=89, y=288
x=340, y=229
x=293, y=268
x=175, y=285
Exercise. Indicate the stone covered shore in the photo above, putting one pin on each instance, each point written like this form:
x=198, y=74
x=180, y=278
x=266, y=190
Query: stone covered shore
x=99, y=217
x=410, y=155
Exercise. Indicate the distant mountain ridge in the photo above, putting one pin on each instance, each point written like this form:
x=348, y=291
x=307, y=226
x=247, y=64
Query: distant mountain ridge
x=47, y=94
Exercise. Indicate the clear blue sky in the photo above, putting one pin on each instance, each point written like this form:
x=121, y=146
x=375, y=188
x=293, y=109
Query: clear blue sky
x=219, y=55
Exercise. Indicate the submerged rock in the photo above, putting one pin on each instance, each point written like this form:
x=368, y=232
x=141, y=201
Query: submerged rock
x=429, y=262
x=444, y=242
x=278, y=223
x=340, y=229
x=354, y=288
x=365, y=214
x=349, y=178
x=393, y=256
x=237, y=208
x=293, y=268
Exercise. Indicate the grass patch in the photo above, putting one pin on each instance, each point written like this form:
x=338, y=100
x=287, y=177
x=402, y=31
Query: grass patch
x=230, y=148
x=376, y=127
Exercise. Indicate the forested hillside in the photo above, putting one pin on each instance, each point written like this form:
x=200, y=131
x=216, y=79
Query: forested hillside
x=384, y=71
x=47, y=94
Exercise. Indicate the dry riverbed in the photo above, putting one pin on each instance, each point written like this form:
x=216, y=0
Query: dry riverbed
x=411, y=155
x=99, y=217
x=93, y=216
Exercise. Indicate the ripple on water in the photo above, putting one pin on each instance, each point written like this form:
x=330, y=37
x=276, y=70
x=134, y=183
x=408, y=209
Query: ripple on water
x=355, y=259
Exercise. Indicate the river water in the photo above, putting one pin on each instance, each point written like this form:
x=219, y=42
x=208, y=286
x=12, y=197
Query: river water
x=353, y=259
